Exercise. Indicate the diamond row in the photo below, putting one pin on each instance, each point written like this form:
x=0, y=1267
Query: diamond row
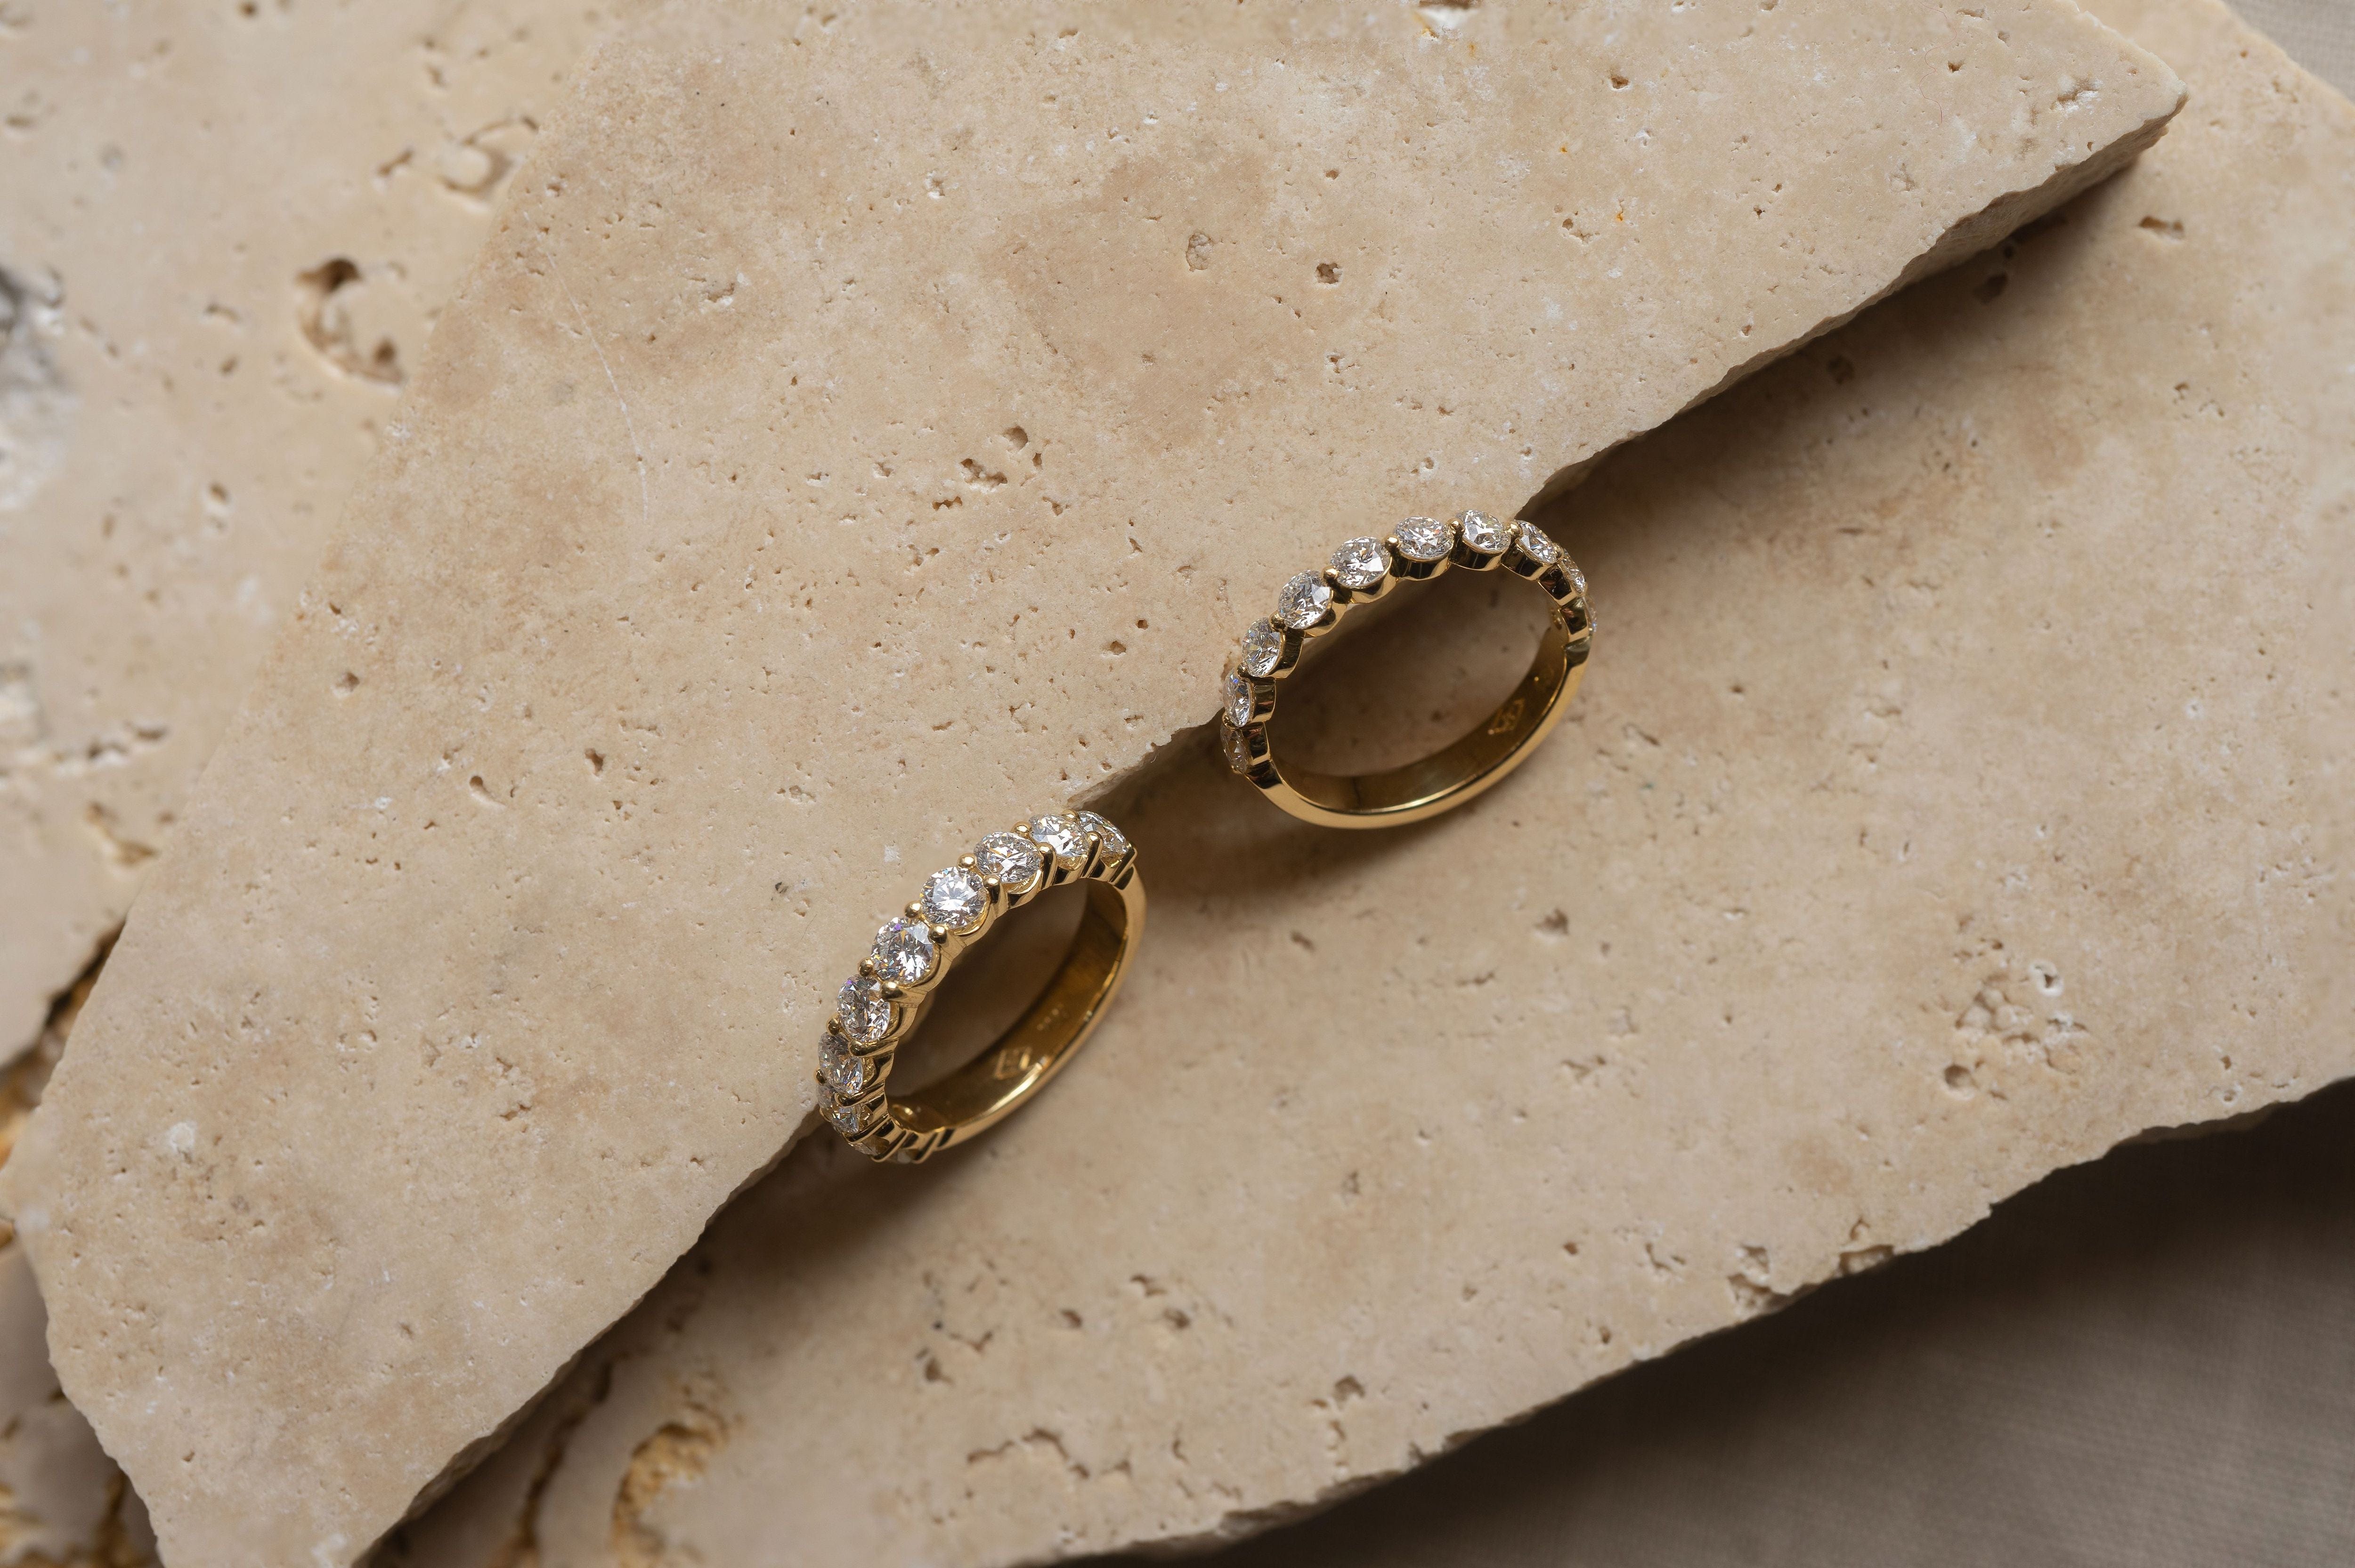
x=1311, y=602
x=912, y=949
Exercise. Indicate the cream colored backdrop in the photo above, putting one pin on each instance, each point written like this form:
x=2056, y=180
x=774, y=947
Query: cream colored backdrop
x=2145, y=1363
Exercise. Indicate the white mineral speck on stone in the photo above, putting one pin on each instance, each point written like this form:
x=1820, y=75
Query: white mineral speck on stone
x=182, y=1138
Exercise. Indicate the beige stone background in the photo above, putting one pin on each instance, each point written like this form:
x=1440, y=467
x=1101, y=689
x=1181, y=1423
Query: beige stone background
x=2040, y=442
x=222, y=263
x=2139, y=1362
x=2144, y=1362
x=512, y=988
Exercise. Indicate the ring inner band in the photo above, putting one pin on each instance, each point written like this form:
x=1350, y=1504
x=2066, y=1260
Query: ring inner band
x=1467, y=763
x=1027, y=1053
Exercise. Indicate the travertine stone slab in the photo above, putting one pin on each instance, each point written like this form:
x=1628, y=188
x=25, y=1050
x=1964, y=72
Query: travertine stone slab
x=62, y=1501
x=862, y=428
x=223, y=234
x=224, y=231
x=1957, y=791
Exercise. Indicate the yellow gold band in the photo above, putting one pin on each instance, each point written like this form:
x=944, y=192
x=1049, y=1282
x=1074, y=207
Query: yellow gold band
x=1361, y=572
x=880, y=1005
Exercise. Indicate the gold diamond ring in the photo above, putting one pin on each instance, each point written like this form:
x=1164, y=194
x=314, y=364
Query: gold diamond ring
x=880, y=1006
x=1362, y=570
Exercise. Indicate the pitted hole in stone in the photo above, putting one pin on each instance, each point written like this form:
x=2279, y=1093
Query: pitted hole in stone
x=988, y=987
x=1408, y=673
x=331, y=309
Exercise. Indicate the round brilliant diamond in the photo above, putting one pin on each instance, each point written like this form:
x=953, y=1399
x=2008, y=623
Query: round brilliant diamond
x=1361, y=563
x=903, y=951
x=954, y=898
x=1240, y=698
x=1485, y=533
x=1013, y=860
x=1262, y=649
x=1063, y=836
x=844, y=1069
x=1303, y=601
x=1115, y=842
x=1426, y=539
x=865, y=1011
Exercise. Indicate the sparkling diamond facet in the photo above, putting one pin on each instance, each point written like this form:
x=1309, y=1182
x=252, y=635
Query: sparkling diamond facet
x=903, y=951
x=845, y=1069
x=1262, y=649
x=1577, y=579
x=1536, y=546
x=865, y=1011
x=845, y=1119
x=1115, y=842
x=1486, y=534
x=1426, y=539
x=1063, y=835
x=954, y=898
x=1361, y=563
x=1238, y=698
x=1237, y=751
x=1301, y=604
x=1013, y=860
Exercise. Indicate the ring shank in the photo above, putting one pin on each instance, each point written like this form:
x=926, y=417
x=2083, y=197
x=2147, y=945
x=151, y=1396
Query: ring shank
x=1473, y=762
x=1018, y=1063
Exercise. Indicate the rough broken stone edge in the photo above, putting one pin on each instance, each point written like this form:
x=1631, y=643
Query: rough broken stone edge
x=1974, y=235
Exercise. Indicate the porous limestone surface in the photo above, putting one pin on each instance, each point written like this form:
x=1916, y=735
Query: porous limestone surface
x=224, y=233
x=225, y=229
x=864, y=428
x=1957, y=790
x=63, y=1504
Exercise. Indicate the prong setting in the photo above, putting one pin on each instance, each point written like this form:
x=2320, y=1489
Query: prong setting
x=912, y=952
x=1362, y=570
